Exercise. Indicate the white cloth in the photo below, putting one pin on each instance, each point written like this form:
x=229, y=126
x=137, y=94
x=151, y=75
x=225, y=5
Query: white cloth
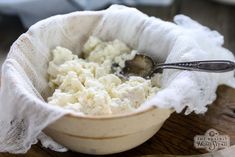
x=24, y=112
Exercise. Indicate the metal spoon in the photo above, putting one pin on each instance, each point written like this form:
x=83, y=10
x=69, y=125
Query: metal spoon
x=144, y=66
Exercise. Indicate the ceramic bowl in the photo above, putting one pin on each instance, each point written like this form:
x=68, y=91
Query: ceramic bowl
x=107, y=134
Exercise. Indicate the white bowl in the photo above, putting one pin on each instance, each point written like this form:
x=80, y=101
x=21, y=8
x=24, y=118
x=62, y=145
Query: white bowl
x=107, y=134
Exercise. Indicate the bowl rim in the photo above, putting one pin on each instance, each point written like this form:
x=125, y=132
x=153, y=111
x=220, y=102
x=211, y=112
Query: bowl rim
x=118, y=116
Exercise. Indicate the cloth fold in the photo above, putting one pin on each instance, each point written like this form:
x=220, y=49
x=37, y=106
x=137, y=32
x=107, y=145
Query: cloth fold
x=24, y=112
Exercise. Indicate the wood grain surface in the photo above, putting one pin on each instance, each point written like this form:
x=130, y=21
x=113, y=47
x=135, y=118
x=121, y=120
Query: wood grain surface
x=177, y=134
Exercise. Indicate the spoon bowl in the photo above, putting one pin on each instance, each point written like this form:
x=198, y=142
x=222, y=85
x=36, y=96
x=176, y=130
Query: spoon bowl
x=144, y=66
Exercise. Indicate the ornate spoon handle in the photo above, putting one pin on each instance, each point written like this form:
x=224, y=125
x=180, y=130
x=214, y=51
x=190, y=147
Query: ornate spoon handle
x=214, y=66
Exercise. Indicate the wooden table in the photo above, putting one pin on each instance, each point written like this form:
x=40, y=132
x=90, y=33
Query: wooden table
x=176, y=135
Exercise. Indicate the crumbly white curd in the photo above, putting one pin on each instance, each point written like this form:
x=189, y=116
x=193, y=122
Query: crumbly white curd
x=89, y=85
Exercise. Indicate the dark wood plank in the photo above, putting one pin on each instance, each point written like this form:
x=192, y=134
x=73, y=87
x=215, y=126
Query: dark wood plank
x=215, y=15
x=164, y=12
x=10, y=29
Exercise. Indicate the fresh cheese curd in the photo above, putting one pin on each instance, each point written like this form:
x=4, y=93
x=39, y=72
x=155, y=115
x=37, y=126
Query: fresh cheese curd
x=90, y=86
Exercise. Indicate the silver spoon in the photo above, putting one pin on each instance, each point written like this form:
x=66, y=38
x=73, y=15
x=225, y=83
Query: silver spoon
x=144, y=66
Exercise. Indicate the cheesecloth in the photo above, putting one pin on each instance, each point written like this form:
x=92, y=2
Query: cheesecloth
x=24, y=112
